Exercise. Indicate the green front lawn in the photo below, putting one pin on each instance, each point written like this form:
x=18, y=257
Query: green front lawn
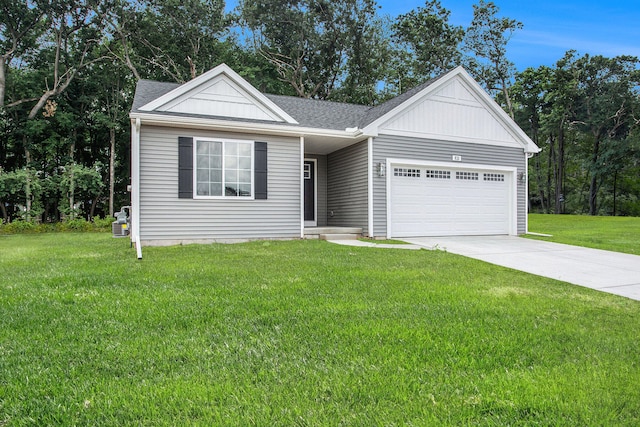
x=613, y=233
x=302, y=333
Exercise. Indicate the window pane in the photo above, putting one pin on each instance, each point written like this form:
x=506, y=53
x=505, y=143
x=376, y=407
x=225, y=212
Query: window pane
x=231, y=190
x=230, y=176
x=215, y=161
x=215, y=189
x=203, y=147
x=244, y=176
x=203, y=189
x=203, y=175
x=203, y=162
x=216, y=175
x=244, y=163
x=215, y=148
x=244, y=150
x=231, y=148
x=244, y=190
x=230, y=162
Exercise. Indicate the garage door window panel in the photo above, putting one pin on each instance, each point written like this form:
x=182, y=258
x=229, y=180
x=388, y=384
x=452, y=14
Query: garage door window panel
x=410, y=173
x=437, y=174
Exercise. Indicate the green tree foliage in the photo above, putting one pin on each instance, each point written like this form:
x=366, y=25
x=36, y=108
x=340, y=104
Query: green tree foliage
x=427, y=45
x=13, y=192
x=174, y=40
x=316, y=45
x=583, y=113
x=487, y=38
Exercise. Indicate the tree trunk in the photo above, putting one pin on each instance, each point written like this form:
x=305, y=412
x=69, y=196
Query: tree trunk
x=92, y=211
x=593, y=187
x=3, y=80
x=559, y=208
x=27, y=186
x=112, y=160
x=593, y=195
x=539, y=180
x=4, y=212
x=550, y=169
x=72, y=183
x=615, y=191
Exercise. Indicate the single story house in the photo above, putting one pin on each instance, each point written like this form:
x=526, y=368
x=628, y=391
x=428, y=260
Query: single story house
x=215, y=159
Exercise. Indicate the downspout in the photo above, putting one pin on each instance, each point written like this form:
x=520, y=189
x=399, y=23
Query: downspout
x=370, y=188
x=135, y=186
x=301, y=173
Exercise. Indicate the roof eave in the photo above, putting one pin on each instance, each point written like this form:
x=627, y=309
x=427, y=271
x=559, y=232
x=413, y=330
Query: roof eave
x=159, y=119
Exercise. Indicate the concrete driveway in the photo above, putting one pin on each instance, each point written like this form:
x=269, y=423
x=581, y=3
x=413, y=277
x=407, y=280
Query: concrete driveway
x=606, y=271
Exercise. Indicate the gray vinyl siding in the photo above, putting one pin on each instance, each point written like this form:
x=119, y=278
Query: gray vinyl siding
x=347, y=187
x=321, y=175
x=402, y=147
x=164, y=216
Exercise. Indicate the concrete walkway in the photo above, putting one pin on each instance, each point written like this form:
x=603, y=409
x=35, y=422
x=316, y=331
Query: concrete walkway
x=606, y=271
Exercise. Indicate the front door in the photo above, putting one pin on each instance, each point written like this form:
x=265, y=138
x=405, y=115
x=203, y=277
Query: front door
x=309, y=172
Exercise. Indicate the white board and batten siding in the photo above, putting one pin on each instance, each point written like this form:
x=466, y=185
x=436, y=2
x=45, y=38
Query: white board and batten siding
x=220, y=97
x=167, y=218
x=454, y=112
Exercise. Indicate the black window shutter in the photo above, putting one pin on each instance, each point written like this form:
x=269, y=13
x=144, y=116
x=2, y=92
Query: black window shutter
x=260, y=170
x=185, y=167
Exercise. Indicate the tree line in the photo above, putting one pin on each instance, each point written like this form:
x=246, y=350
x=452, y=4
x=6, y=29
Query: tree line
x=68, y=70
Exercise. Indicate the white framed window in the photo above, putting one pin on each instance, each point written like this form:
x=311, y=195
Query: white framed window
x=469, y=176
x=412, y=173
x=494, y=177
x=223, y=168
x=437, y=174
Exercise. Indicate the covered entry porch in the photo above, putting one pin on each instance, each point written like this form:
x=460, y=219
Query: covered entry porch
x=335, y=186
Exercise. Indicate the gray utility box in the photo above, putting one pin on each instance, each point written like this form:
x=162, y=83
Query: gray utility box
x=122, y=225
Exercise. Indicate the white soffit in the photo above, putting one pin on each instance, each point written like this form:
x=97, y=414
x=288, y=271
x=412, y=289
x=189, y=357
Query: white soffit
x=220, y=92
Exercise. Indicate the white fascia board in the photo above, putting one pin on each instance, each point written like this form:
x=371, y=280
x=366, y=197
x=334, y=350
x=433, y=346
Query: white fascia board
x=233, y=126
x=215, y=72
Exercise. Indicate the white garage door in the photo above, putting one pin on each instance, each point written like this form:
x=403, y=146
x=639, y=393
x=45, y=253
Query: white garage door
x=439, y=201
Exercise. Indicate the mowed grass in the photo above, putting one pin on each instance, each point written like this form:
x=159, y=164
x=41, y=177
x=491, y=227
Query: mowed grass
x=613, y=233
x=302, y=333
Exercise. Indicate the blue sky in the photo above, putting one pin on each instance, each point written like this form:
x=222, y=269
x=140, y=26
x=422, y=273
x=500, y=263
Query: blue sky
x=597, y=27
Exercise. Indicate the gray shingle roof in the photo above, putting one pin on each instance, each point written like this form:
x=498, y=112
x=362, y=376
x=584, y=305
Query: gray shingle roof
x=320, y=114
x=307, y=112
x=148, y=90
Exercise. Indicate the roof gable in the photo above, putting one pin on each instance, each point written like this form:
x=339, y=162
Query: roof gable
x=453, y=107
x=221, y=92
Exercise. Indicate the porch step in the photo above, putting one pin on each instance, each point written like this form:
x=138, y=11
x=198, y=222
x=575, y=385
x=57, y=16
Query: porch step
x=318, y=232
x=339, y=236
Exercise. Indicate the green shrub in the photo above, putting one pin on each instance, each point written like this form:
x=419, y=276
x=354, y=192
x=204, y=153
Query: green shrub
x=103, y=224
x=75, y=225
x=20, y=226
